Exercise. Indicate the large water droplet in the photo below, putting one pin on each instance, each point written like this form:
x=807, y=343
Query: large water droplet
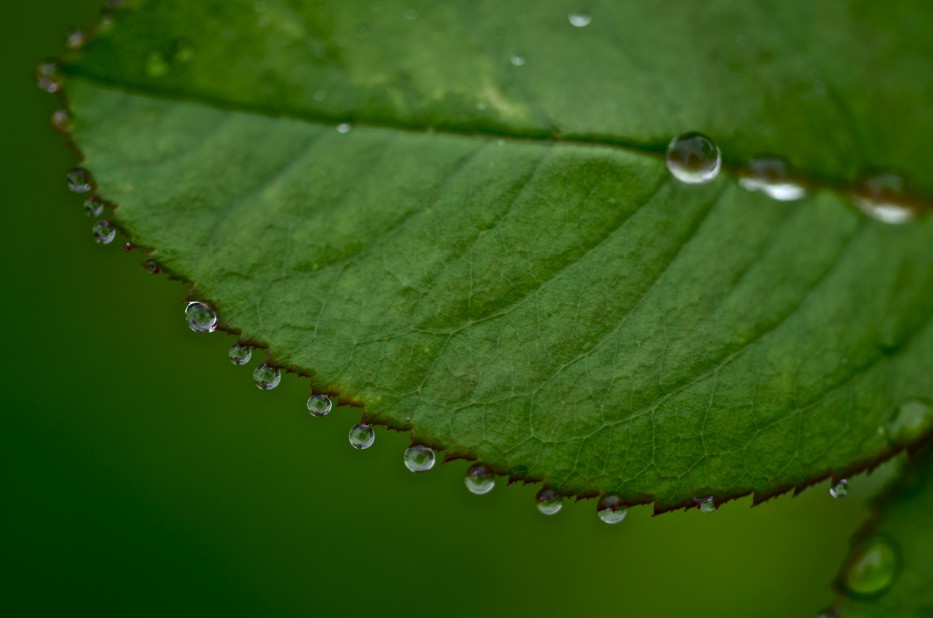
x=93, y=206
x=693, y=158
x=884, y=197
x=266, y=377
x=579, y=19
x=706, y=504
x=344, y=127
x=840, y=489
x=104, y=232
x=911, y=421
x=319, y=405
x=362, y=436
x=479, y=479
x=872, y=567
x=47, y=77
x=548, y=502
x=419, y=458
x=200, y=317
x=240, y=354
x=611, y=509
x=79, y=180
x=62, y=121
x=517, y=60
x=771, y=176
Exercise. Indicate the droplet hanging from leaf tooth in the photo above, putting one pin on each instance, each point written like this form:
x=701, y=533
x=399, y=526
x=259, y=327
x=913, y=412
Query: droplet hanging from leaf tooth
x=419, y=458
x=201, y=318
x=479, y=479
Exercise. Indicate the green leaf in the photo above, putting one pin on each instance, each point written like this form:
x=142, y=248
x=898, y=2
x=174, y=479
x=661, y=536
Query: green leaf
x=888, y=571
x=495, y=256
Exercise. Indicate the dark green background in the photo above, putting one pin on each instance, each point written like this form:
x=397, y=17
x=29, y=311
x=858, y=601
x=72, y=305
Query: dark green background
x=145, y=475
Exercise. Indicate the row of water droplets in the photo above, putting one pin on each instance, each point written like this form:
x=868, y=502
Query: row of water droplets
x=694, y=159
x=479, y=479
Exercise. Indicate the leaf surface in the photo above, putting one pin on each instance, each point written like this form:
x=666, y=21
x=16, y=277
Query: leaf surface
x=496, y=257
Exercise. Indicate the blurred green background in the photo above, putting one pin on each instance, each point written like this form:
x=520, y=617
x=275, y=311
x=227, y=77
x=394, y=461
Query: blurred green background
x=146, y=475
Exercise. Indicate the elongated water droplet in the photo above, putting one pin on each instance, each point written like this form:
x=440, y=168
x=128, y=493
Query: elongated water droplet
x=47, y=77
x=912, y=419
x=548, y=502
x=693, y=158
x=79, y=180
x=840, y=489
x=319, y=405
x=343, y=128
x=705, y=505
x=771, y=176
x=419, y=458
x=200, y=317
x=156, y=65
x=884, y=196
x=62, y=121
x=872, y=567
x=104, y=232
x=93, y=206
x=362, y=436
x=579, y=19
x=75, y=39
x=479, y=479
x=266, y=377
x=240, y=354
x=517, y=60
x=611, y=509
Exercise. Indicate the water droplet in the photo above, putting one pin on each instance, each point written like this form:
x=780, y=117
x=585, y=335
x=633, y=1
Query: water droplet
x=200, y=317
x=79, y=180
x=93, y=206
x=479, y=479
x=771, y=176
x=240, y=354
x=912, y=420
x=266, y=377
x=62, y=121
x=611, y=509
x=344, y=128
x=419, y=458
x=319, y=95
x=362, y=436
x=75, y=39
x=103, y=231
x=883, y=196
x=319, y=405
x=872, y=567
x=548, y=502
x=693, y=158
x=840, y=489
x=517, y=60
x=152, y=267
x=47, y=77
x=128, y=246
x=156, y=66
x=705, y=505
x=579, y=19
x=482, y=105
x=411, y=14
